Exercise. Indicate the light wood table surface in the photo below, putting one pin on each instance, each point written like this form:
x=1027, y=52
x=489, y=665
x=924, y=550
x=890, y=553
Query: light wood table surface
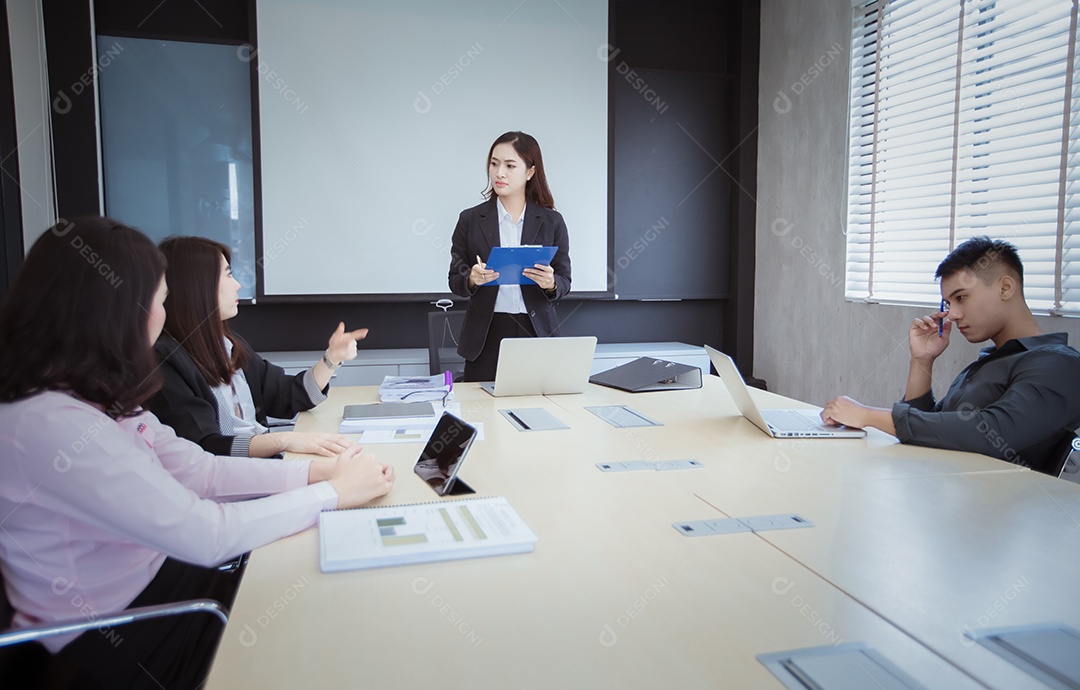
x=614, y=597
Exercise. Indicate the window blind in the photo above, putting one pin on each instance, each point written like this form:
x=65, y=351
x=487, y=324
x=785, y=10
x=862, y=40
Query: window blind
x=962, y=122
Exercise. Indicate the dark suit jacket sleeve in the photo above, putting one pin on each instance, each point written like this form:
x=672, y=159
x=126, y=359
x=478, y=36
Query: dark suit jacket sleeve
x=185, y=403
x=561, y=261
x=275, y=393
x=460, y=260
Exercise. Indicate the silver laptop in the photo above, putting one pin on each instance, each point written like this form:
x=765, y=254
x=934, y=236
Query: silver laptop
x=791, y=423
x=543, y=366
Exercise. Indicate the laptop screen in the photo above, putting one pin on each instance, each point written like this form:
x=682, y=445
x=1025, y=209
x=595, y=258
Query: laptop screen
x=544, y=366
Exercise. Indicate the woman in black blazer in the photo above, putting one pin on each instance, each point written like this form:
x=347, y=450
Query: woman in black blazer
x=218, y=392
x=519, y=210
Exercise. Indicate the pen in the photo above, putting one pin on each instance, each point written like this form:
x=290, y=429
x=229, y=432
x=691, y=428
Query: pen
x=941, y=321
x=479, y=262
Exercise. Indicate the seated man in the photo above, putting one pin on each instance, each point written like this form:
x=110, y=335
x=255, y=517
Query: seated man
x=1017, y=401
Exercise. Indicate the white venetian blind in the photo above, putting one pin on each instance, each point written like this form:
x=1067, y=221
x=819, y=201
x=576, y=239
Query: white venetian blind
x=960, y=115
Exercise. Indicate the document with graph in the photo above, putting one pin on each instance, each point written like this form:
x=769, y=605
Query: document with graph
x=420, y=533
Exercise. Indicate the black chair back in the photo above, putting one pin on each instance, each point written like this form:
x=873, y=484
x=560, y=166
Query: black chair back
x=1065, y=460
x=6, y=611
x=22, y=665
x=444, y=330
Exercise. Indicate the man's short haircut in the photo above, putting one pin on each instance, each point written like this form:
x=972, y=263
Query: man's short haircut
x=979, y=255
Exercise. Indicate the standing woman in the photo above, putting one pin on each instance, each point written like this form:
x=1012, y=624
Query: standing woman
x=519, y=210
x=104, y=506
x=217, y=391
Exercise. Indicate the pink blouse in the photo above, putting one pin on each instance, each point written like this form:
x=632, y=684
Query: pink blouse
x=90, y=507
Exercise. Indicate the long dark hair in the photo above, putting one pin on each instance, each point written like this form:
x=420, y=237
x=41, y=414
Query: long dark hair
x=76, y=318
x=192, y=313
x=536, y=189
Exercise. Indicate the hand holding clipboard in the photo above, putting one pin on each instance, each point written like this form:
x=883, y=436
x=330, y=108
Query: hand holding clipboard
x=480, y=275
x=524, y=265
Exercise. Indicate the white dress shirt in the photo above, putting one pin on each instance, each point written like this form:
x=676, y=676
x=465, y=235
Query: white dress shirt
x=509, y=300
x=236, y=407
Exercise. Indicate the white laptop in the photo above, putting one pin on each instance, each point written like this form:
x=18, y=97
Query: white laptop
x=543, y=366
x=790, y=423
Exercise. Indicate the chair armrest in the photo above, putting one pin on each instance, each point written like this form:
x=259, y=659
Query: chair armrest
x=37, y=632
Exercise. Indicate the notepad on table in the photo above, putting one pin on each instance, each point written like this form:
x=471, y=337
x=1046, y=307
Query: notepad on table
x=420, y=533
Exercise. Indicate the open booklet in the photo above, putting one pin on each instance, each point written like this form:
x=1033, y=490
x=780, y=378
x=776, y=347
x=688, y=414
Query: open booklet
x=420, y=533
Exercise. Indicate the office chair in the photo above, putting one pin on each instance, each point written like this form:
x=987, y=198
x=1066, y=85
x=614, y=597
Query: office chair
x=31, y=666
x=444, y=328
x=1065, y=460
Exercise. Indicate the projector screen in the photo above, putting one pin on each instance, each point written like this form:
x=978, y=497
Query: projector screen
x=375, y=122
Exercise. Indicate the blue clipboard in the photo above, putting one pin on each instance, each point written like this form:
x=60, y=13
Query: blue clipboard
x=509, y=261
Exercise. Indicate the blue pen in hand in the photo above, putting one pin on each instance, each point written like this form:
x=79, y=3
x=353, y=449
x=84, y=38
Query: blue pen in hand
x=941, y=321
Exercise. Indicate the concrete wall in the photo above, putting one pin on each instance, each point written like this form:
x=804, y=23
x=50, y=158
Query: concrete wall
x=809, y=343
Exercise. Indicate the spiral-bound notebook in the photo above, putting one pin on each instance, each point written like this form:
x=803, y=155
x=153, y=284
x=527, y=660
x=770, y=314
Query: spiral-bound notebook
x=420, y=533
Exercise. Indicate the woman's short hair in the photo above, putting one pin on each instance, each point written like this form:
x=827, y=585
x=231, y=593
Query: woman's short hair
x=193, y=314
x=77, y=316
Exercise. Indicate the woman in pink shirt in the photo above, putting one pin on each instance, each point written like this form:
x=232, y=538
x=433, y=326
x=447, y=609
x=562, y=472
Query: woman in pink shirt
x=105, y=506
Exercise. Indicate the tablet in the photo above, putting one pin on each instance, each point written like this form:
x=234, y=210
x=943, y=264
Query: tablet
x=441, y=458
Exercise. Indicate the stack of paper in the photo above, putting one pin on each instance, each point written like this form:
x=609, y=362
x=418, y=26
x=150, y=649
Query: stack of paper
x=442, y=531
x=417, y=388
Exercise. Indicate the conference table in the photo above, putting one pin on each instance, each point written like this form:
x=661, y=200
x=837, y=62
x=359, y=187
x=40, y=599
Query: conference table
x=911, y=549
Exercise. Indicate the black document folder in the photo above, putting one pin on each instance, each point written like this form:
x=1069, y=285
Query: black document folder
x=649, y=374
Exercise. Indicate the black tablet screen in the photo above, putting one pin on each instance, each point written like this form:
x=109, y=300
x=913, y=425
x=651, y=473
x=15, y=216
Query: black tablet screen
x=442, y=456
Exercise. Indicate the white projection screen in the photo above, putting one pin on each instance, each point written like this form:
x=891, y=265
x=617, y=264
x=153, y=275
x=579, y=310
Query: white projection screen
x=375, y=120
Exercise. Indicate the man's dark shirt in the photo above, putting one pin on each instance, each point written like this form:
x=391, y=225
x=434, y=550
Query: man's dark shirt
x=1015, y=402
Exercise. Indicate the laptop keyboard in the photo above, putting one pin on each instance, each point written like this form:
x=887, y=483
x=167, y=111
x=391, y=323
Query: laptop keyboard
x=789, y=420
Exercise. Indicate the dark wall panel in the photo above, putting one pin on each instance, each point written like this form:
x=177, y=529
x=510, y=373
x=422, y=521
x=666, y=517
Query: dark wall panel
x=739, y=315
x=206, y=20
x=672, y=196
x=11, y=248
x=271, y=327
x=74, y=113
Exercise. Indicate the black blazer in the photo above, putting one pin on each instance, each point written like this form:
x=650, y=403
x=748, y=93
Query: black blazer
x=476, y=233
x=186, y=403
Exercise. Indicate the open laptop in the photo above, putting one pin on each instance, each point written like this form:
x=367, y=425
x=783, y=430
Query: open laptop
x=543, y=366
x=790, y=423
